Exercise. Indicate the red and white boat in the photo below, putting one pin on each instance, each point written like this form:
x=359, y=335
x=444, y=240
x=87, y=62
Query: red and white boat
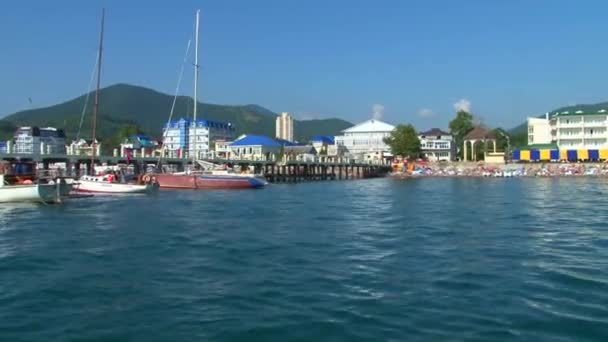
x=211, y=179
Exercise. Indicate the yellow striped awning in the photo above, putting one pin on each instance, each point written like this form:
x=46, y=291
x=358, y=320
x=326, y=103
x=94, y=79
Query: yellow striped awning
x=583, y=154
x=604, y=154
x=563, y=154
x=545, y=154
x=524, y=155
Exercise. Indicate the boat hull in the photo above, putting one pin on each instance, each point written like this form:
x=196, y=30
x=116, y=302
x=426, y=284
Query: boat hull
x=34, y=193
x=113, y=188
x=209, y=181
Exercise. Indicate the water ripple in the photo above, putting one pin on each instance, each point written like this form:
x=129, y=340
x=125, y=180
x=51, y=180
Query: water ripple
x=415, y=260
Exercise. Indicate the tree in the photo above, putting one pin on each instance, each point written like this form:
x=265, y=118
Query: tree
x=404, y=141
x=503, y=139
x=519, y=139
x=460, y=126
x=128, y=130
x=123, y=133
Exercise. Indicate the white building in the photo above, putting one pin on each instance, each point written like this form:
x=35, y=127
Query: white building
x=178, y=136
x=572, y=129
x=222, y=149
x=34, y=140
x=140, y=144
x=366, y=139
x=83, y=147
x=305, y=153
x=256, y=147
x=539, y=131
x=580, y=129
x=437, y=145
x=284, y=127
x=336, y=151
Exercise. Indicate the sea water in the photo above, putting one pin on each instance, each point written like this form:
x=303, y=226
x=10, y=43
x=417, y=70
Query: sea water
x=371, y=260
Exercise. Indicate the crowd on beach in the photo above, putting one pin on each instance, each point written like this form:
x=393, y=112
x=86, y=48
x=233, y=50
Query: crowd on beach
x=503, y=170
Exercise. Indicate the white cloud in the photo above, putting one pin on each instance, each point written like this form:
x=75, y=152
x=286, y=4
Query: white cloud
x=425, y=113
x=377, y=111
x=463, y=104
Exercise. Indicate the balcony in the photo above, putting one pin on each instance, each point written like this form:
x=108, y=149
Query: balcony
x=569, y=124
x=570, y=136
x=596, y=124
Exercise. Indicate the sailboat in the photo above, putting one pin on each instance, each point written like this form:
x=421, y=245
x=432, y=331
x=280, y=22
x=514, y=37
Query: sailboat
x=109, y=183
x=210, y=176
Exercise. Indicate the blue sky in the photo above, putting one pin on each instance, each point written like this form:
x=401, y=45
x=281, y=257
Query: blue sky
x=411, y=60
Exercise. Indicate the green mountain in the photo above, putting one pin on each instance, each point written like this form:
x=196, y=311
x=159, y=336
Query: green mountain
x=124, y=104
x=7, y=129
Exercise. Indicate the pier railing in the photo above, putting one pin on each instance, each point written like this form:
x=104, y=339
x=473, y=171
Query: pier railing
x=58, y=158
x=286, y=170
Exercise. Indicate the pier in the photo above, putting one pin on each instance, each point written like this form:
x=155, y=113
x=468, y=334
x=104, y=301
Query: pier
x=286, y=171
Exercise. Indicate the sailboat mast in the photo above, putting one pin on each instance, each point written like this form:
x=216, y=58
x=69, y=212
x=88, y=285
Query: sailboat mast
x=196, y=83
x=96, y=105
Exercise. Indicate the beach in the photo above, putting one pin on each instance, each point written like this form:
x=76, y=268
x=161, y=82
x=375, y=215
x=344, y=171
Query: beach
x=481, y=169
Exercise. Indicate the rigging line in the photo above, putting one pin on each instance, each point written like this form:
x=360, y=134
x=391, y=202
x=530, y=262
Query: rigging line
x=86, y=100
x=179, y=81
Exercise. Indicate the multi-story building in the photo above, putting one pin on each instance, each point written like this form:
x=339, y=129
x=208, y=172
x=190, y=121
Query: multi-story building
x=284, y=127
x=437, y=145
x=178, y=136
x=34, y=140
x=366, y=138
x=539, y=131
x=572, y=129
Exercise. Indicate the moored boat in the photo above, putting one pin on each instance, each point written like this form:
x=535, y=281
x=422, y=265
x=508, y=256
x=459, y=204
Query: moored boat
x=19, y=183
x=210, y=176
x=37, y=193
x=107, y=184
x=212, y=179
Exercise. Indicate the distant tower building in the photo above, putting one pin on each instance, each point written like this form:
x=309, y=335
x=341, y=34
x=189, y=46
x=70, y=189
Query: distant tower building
x=285, y=127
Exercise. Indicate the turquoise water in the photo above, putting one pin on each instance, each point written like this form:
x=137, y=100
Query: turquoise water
x=393, y=260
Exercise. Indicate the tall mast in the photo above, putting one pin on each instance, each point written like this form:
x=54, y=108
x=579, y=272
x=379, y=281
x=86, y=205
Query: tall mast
x=96, y=105
x=196, y=83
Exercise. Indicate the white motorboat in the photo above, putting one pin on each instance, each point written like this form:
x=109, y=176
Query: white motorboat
x=41, y=193
x=32, y=190
x=106, y=184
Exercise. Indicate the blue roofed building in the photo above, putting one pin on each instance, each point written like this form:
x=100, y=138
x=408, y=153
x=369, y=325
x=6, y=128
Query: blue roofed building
x=257, y=147
x=178, y=136
x=322, y=143
x=326, y=139
x=139, y=142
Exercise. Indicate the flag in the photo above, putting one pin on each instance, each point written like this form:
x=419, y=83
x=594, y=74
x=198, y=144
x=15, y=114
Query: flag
x=29, y=99
x=129, y=155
